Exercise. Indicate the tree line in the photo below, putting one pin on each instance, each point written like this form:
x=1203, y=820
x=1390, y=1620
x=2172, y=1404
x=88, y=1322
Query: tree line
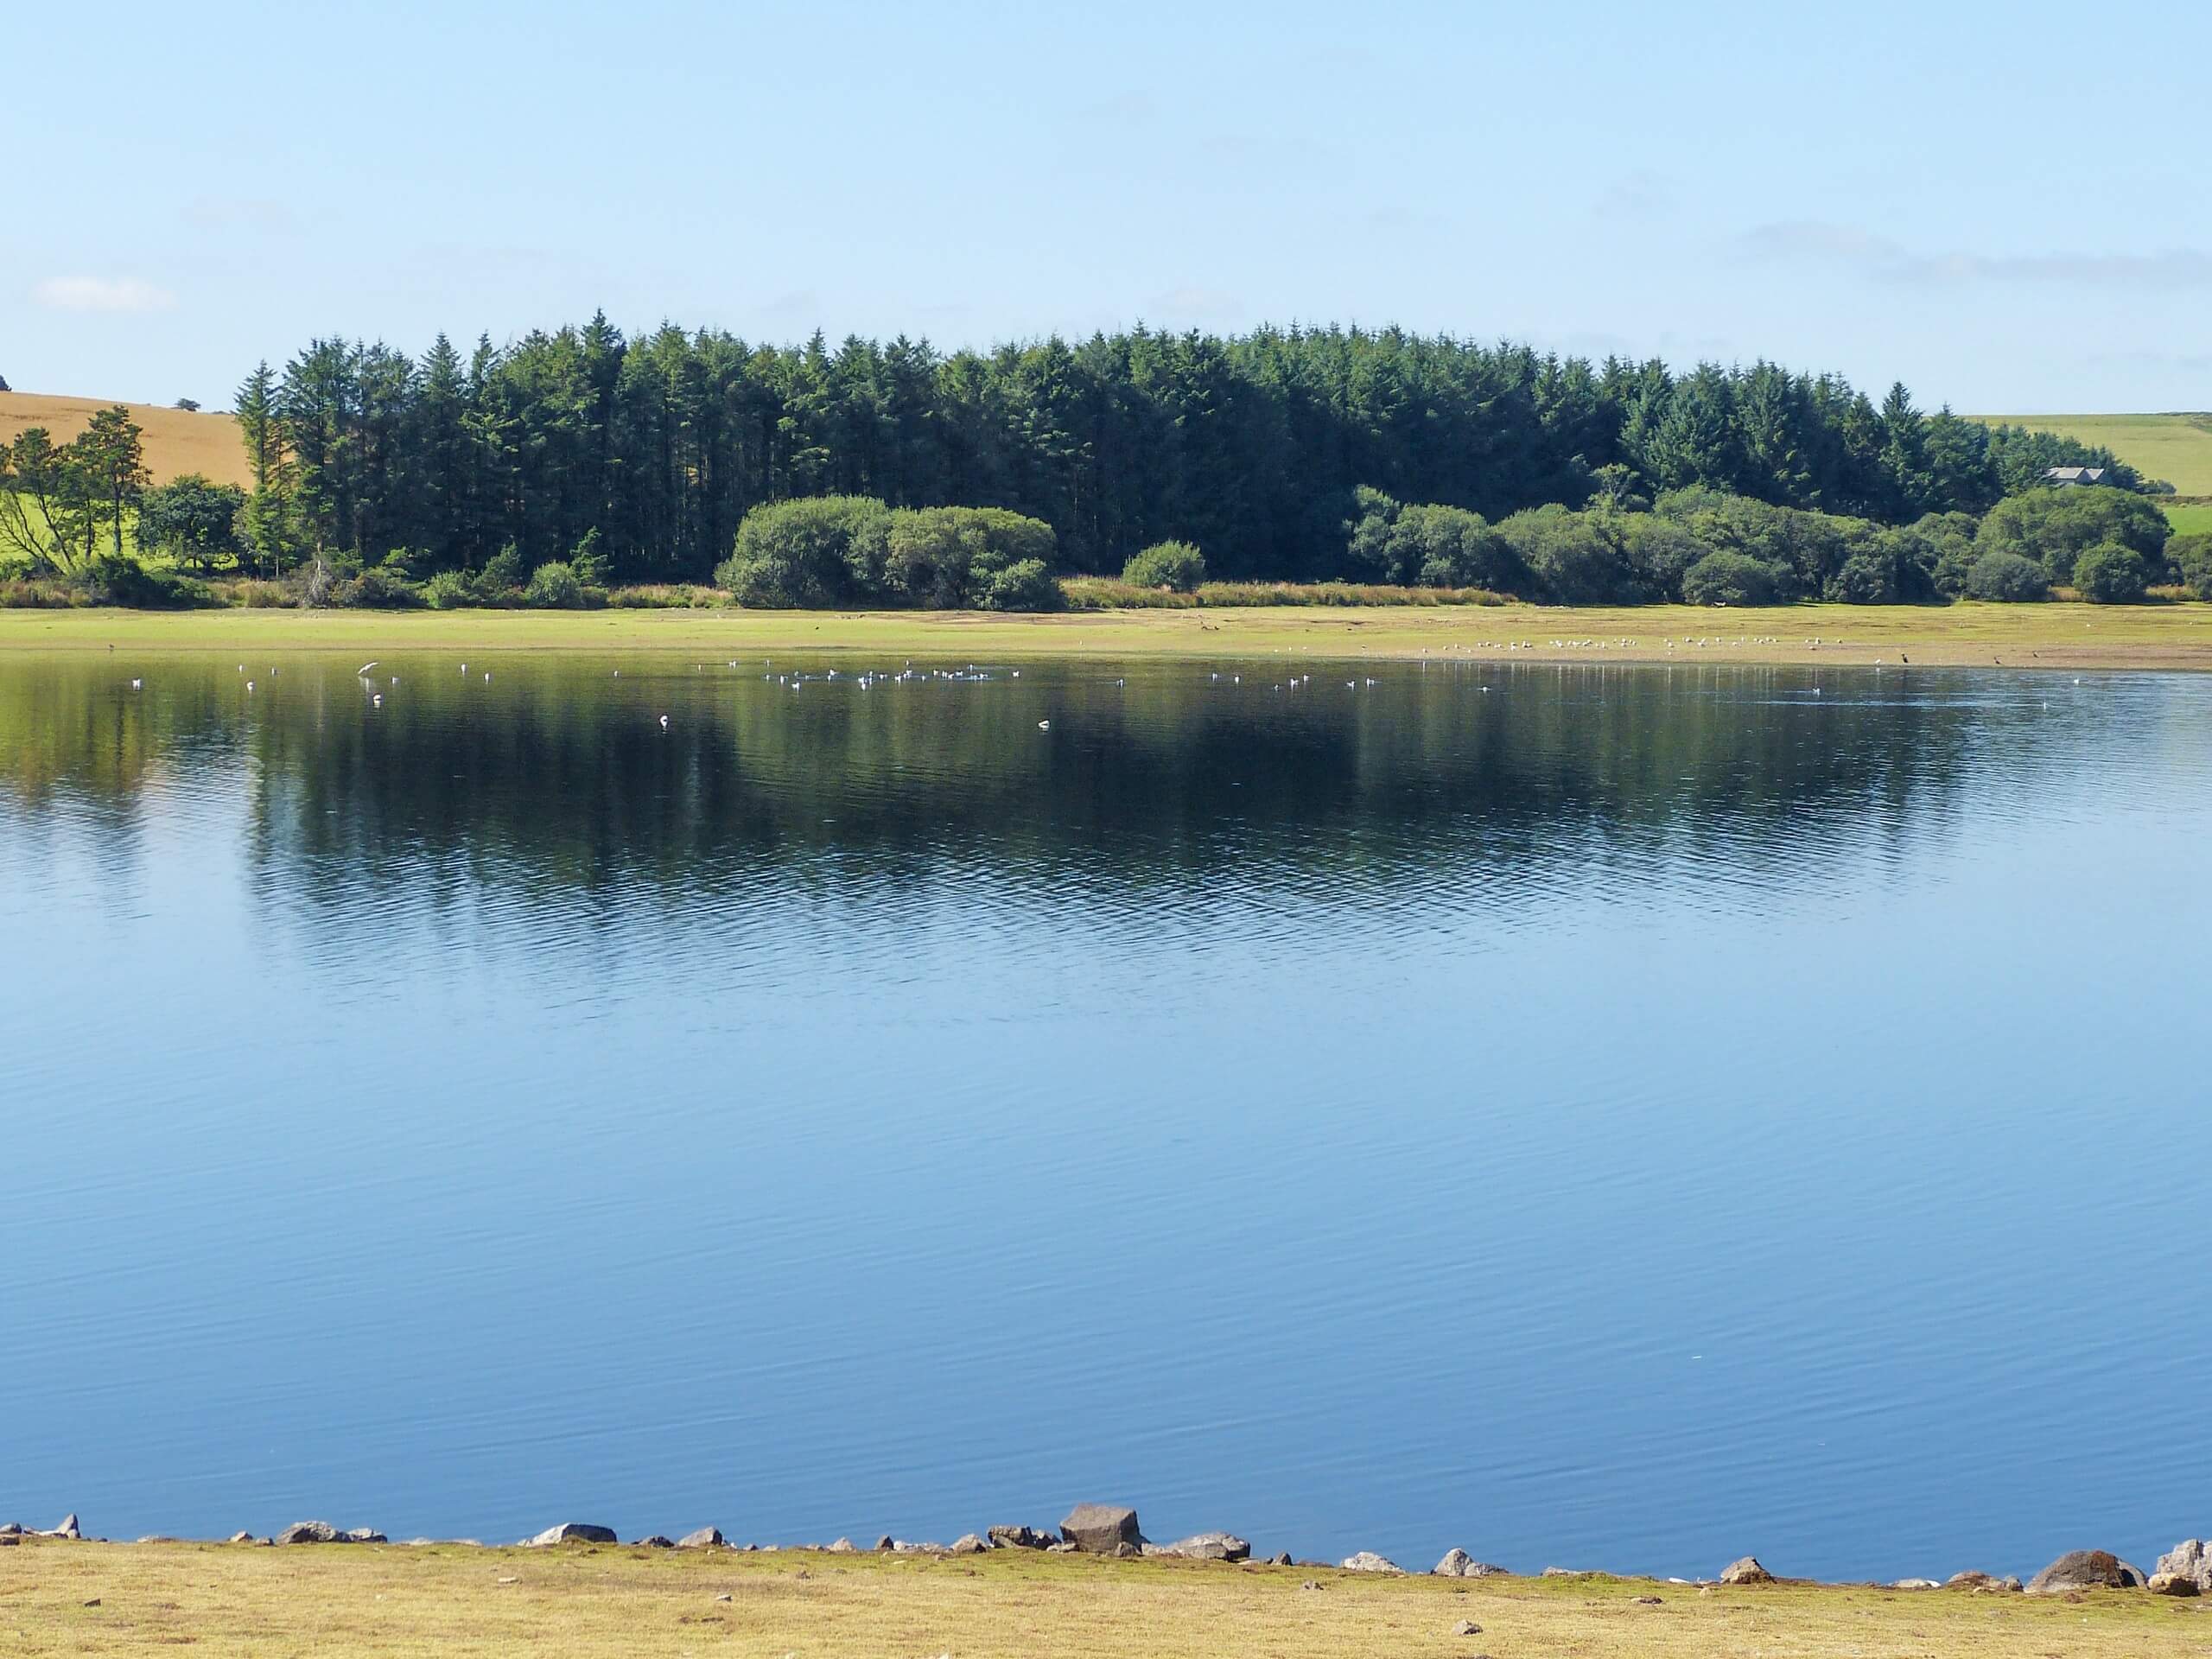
x=1252, y=446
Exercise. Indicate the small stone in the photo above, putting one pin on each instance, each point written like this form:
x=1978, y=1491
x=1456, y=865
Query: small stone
x=1280, y=1558
x=723, y=1597
x=1466, y=1627
x=2174, y=1584
x=310, y=1532
x=1018, y=1538
x=844, y=1547
x=10, y=1540
x=241, y=1538
x=1746, y=1570
x=1127, y=1552
x=1210, y=1547
x=1458, y=1564
x=1645, y=1601
x=968, y=1544
x=1311, y=1584
x=656, y=1541
x=1101, y=1529
x=1916, y=1584
x=94, y=1602
x=510, y=1579
x=1367, y=1561
x=705, y=1538
x=1561, y=1572
x=362, y=1535
x=569, y=1532
x=887, y=1542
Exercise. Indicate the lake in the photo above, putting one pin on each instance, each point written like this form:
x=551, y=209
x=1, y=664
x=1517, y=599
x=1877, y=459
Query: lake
x=1613, y=1117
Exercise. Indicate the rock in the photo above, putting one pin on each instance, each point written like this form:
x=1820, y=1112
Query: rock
x=705, y=1538
x=968, y=1544
x=656, y=1541
x=1018, y=1538
x=10, y=1540
x=1980, y=1583
x=1746, y=1570
x=1458, y=1564
x=2087, y=1569
x=1101, y=1529
x=1466, y=1627
x=1916, y=1584
x=69, y=1529
x=1311, y=1584
x=1561, y=1572
x=725, y=1596
x=241, y=1538
x=886, y=1541
x=1647, y=1601
x=1127, y=1552
x=844, y=1547
x=363, y=1536
x=1280, y=1558
x=571, y=1532
x=1210, y=1547
x=2191, y=1559
x=310, y=1532
x=2174, y=1584
x=1367, y=1561
x=13, y=1529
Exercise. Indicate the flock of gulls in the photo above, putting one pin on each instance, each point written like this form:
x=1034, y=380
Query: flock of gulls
x=973, y=673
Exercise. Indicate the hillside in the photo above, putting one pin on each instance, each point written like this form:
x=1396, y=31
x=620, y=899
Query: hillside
x=176, y=441
x=2176, y=448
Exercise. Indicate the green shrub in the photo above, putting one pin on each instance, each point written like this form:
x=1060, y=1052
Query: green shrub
x=1176, y=566
x=588, y=561
x=808, y=554
x=109, y=579
x=378, y=590
x=1867, y=577
x=1026, y=585
x=2111, y=573
x=1727, y=578
x=2056, y=526
x=1434, y=546
x=2009, y=577
x=1570, y=556
x=502, y=574
x=451, y=590
x=2191, y=556
x=553, y=587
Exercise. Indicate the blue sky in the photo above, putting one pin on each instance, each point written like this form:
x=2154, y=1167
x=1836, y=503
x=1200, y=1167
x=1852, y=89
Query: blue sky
x=2006, y=206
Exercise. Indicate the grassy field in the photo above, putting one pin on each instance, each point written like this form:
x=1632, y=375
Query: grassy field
x=2055, y=636
x=2191, y=518
x=400, y=1602
x=176, y=441
x=2176, y=448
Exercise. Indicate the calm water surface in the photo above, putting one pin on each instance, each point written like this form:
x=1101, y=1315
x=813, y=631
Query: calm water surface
x=1619, y=1117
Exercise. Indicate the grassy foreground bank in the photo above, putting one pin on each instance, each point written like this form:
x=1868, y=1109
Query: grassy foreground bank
x=2054, y=635
x=224, y=1600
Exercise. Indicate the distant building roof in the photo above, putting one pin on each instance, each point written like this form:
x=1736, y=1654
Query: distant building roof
x=2073, y=475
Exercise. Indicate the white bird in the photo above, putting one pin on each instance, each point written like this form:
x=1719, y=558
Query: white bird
x=375, y=699
x=1044, y=725
x=664, y=722
x=135, y=684
x=488, y=673
x=248, y=685
x=363, y=670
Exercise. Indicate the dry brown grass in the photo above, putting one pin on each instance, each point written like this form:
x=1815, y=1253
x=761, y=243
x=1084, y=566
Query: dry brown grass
x=390, y=1602
x=176, y=441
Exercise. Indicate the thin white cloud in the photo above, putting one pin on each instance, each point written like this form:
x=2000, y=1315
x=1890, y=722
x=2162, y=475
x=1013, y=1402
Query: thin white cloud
x=113, y=294
x=1864, y=253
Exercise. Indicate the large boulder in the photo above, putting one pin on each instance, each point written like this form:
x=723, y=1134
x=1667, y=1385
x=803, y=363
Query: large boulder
x=310, y=1532
x=2191, y=1559
x=571, y=1532
x=1367, y=1561
x=1210, y=1547
x=2173, y=1584
x=1746, y=1570
x=69, y=1529
x=2087, y=1569
x=968, y=1544
x=705, y=1538
x=1101, y=1528
x=1458, y=1564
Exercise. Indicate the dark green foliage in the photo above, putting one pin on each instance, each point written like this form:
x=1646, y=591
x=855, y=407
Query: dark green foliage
x=2191, y=558
x=954, y=558
x=2054, y=526
x=808, y=554
x=1176, y=566
x=1729, y=578
x=1025, y=585
x=1251, y=447
x=2006, y=576
x=451, y=590
x=1433, y=546
x=553, y=587
x=192, y=521
x=827, y=550
x=1571, y=557
x=113, y=579
x=1659, y=551
x=383, y=588
x=502, y=573
x=2112, y=574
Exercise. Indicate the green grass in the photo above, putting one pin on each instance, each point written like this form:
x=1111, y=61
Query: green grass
x=2056, y=635
x=2176, y=448
x=2191, y=518
x=413, y=1602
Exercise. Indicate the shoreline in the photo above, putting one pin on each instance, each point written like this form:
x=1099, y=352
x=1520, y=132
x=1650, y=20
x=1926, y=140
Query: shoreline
x=577, y=1591
x=2058, y=635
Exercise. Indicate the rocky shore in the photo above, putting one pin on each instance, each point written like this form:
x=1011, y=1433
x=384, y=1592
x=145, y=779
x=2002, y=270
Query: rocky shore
x=1112, y=1531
